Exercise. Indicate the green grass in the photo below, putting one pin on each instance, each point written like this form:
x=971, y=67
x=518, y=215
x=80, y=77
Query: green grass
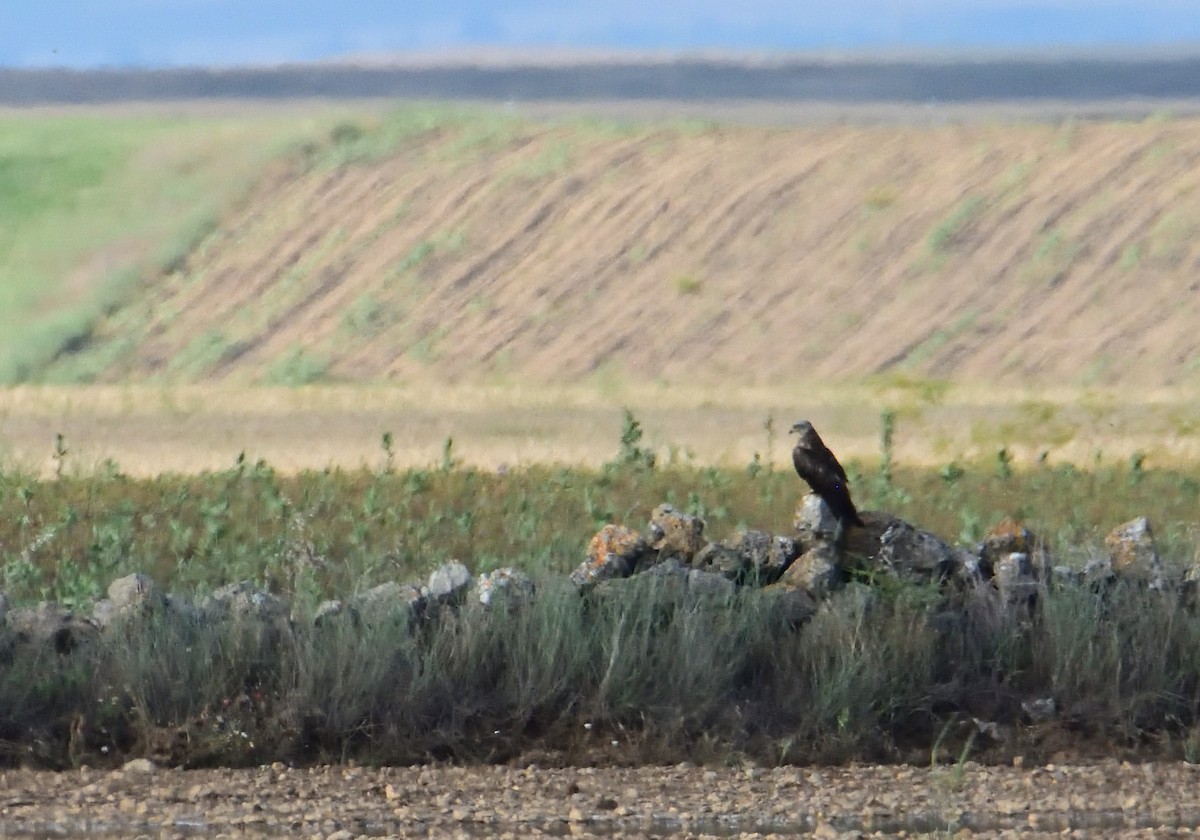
x=947, y=236
x=68, y=538
x=881, y=672
x=297, y=367
x=94, y=203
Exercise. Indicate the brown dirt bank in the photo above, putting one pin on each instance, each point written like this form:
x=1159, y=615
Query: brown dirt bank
x=436, y=247
x=1110, y=799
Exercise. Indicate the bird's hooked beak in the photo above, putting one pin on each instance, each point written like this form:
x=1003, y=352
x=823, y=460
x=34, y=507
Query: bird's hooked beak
x=800, y=427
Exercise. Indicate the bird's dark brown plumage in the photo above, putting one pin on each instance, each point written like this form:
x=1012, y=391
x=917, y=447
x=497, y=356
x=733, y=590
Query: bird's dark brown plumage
x=818, y=466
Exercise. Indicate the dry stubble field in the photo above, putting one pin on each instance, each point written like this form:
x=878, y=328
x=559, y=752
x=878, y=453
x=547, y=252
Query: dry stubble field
x=146, y=430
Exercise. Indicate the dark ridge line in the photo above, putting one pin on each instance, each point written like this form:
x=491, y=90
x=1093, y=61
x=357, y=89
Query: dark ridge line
x=688, y=80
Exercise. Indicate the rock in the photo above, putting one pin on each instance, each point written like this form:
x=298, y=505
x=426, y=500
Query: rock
x=992, y=729
x=674, y=582
x=1005, y=537
x=675, y=534
x=765, y=557
x=264, y=615
x=448, y=584
x=1014, y=578
x=1098, y=571
x=244, y=600
x=1190, y=585
x=669, y=578
x=968, y=570
x=722, y=559
x=614, y=552
x=391, y=600
x=328, y=611
x=140, y=766
x=1067, y=575
x=709, y=584
x=795, y=604
x=913, y=554
x=695, y=582
x=135, y=592
x=104, y=613
x=182, y=608
x=1040, y=710
x=818, y=571
x=814, y=520
x=53, y=625
x=1133, y=554
x=509, y=585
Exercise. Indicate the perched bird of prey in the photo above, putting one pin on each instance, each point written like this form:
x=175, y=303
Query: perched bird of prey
x=818, y=466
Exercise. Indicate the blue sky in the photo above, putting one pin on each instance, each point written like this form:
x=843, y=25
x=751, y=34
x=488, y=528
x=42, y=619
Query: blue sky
x=92, y=33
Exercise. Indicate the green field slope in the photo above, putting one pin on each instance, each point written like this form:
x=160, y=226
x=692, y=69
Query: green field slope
x=94, y=205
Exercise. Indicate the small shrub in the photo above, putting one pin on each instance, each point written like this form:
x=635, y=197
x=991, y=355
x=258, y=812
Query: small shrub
x=688, y=284
x=948, y=234
x=632, y=453
x=297, y=367
x=881, y=197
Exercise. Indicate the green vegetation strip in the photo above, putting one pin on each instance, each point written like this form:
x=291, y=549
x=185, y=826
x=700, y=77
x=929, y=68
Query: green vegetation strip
x=66, y=539
x=885, y=670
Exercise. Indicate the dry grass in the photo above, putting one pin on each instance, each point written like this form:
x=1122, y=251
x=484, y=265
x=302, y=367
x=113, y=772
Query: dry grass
x=148, y=430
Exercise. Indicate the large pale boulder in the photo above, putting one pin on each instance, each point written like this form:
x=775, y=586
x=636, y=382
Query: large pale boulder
x=1014, y=578
x=723, y=559
x=613, y=552
x=1004, y=538
x=912, y=553
x=675, y=534
x=448, y=583
x=765, y=556
x=1134, y=555
x=818, y=571
x=506, y=585
x=814, y=521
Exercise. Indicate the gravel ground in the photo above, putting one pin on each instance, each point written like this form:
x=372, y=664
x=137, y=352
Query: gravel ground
x=1107, y=799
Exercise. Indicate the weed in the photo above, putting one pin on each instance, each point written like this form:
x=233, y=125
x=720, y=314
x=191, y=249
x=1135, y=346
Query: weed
x=448, y=462
x=1131, y=256
x=924, y=351
x=948, y=235
x=1137, y=466
x=60, y=454
x=346, y=132
x=1170, y=239
x=688, y=284
x=426, y=349
x=366, y=317
x=387, y=444
x=552, y=160
x=881, y=197
x=887, y=437
x=1004, y=461
x=419, y=253
x=951, y=473
x=632, y=453
x=297, y=367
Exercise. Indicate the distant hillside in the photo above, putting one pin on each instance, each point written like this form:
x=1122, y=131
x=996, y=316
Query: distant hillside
x=434, y=246
x=1096, y=78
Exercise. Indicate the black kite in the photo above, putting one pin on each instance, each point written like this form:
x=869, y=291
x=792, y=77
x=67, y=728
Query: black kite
x=818, y=466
